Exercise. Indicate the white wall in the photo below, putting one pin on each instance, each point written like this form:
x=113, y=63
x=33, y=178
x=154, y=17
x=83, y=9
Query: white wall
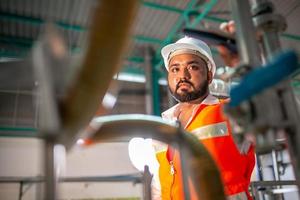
x=23, y=157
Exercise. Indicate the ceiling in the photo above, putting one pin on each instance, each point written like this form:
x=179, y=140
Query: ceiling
x=158, y=22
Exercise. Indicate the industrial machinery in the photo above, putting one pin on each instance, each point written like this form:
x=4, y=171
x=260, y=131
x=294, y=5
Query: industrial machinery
x=263, y=103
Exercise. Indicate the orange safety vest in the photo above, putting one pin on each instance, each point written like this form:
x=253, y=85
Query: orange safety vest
x=213, y=129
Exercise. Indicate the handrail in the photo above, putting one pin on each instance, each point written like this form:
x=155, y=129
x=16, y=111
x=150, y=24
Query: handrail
x=201, y=168
x=135, y=178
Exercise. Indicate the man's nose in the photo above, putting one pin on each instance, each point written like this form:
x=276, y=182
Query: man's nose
x=184, y=74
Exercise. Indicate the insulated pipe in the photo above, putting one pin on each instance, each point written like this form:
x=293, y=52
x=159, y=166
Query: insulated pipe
x=109, y=33
x=202, y=169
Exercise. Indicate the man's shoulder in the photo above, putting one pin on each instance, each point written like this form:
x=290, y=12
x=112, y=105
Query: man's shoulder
x=168, y=115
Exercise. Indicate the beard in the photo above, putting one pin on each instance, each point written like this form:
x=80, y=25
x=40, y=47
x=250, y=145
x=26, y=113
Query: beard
x=190, y=96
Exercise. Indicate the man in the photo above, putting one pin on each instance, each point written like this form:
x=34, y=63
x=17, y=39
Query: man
x=191, y=69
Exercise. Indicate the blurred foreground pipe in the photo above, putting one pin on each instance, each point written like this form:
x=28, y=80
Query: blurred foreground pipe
x=109, y=33
x=202, y=169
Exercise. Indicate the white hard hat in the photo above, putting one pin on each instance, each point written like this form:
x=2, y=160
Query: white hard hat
x=190, y=44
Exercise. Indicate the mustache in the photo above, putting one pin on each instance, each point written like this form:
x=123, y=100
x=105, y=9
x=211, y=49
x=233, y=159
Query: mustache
x=183, y=81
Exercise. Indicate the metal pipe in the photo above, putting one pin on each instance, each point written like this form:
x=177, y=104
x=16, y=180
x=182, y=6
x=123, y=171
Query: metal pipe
x=50, y=171
x=254, y=2
x=268, y=25
x=20, y=191
x=149, y=81
x=147, y=179
x=275, y=165
x=135, y=178
x=276, y=173
x=271, y=44
x=273, y=183
x=245, y=32
x=109, y=34
x=203, y=171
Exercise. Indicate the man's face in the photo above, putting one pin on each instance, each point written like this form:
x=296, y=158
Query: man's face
x=188, y=77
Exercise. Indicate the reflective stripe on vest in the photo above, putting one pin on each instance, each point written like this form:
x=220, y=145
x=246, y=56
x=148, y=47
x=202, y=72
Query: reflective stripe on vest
x=239, y=196
x=211, y=131
x=210, y=125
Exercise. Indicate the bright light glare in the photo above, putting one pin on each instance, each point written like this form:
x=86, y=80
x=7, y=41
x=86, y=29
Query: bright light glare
x=141, y=153
x=60, y=160
x=80, y=142
x=123, y=76
x=109, y=101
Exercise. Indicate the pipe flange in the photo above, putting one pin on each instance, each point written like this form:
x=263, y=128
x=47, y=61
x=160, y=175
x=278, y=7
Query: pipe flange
x=270, y=22
x=262, y=8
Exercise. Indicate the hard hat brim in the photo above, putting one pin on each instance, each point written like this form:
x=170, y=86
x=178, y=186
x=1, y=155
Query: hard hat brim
x=167, y=50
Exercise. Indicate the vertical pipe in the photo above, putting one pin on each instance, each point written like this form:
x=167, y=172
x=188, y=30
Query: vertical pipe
x=152, y=85
x=156, y=89
x=276, y=173
x=269, y=25
x=21, y=190
x=39, y=190
x=271, y=44
x=245, y=32
x=149, y=81
x=275, y=165
x=50, y=184
x=293, y=132
x=147, y=179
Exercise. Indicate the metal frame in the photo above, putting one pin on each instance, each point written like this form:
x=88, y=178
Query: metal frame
x=135, y=178
x=273, y=108
x=262, y=186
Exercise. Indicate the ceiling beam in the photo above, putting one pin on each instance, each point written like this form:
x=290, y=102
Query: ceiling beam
x=66, y=26
x=207, y=7
x=38, y=21
x=177, y=26
x=162, y=7
x=136, y=59
x=24, y=44
x=141, y=38
x=6, y=131
x=11, y=54
x=22, y=129
x=16, y=41
x=206, y=17
x=290, y=36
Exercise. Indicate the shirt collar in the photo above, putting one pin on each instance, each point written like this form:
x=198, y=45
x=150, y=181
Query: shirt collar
x=169, y=114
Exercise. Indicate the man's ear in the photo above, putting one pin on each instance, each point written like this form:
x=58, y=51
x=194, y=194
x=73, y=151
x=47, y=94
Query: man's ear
x=209, y=77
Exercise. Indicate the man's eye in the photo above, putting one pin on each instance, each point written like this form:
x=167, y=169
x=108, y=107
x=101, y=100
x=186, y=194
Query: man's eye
x=193, y=67
x=174, y=69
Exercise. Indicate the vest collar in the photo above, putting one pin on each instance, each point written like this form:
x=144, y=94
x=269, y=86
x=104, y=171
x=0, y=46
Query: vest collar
x=168, y=115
